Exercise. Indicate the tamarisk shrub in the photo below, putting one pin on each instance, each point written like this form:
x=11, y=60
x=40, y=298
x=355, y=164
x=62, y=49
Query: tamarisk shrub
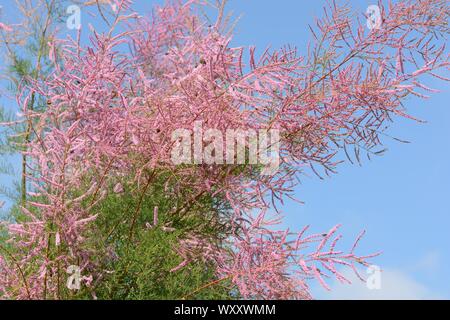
x=106, y=193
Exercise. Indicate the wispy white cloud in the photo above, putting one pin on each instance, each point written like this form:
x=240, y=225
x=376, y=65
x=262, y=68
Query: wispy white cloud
x=430, y=262
x=395, y=284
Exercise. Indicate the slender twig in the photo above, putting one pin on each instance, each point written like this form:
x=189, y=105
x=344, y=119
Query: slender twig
x=22, y=274
x=138, y=207
x=210, y=284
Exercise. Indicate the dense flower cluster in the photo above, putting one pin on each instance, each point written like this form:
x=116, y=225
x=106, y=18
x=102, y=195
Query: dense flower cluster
x=110, y=116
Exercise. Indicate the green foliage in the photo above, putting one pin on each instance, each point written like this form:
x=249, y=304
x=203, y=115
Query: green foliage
x=136, y=263
x=140, y=255
x=20, y=67
x=142, y=271
x=134, y=258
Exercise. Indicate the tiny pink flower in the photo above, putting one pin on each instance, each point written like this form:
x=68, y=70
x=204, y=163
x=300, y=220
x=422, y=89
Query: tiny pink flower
x=118, y=188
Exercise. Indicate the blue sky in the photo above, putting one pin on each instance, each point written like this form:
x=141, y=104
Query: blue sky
x=401, y=198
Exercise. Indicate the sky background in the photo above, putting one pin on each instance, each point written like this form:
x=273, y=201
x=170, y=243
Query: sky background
x=401, y=199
